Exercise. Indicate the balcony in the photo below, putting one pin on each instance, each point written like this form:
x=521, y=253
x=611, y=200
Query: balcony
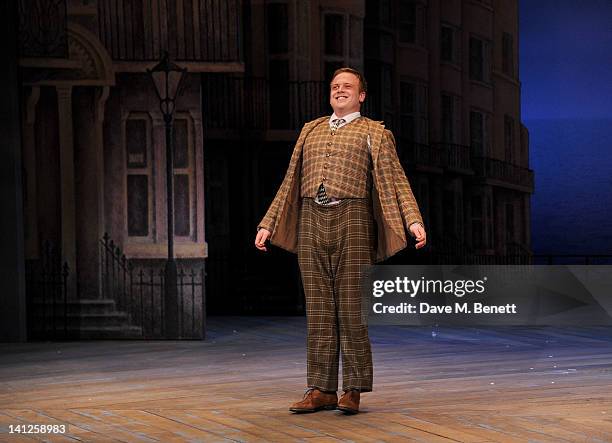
x=503, y=173
x=195, y=31
x=437, y=157
x=43, y=29
x=419, y=155
x=455, y=157
x=256, y=104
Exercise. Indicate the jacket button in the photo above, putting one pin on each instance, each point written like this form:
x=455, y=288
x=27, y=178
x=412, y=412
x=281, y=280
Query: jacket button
x=329, y=143
x=327, y=154
x=325, y=166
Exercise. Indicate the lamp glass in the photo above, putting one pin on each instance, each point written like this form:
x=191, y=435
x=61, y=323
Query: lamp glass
x=167, y=83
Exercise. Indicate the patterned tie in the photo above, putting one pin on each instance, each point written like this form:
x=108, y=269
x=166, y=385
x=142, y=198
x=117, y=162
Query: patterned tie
x=335, y=124
x=322, y=197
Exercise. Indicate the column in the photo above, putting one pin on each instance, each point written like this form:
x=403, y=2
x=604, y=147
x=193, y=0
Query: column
x=100, y=105
x=29, y=163
x=66, y=140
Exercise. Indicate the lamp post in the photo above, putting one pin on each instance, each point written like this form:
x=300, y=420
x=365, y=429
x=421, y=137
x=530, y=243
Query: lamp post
x=167, y=78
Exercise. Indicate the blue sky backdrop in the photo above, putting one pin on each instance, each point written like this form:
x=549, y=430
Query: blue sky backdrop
x=566, y=74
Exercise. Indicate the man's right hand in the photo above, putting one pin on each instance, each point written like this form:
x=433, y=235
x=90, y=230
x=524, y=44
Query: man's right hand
x=260, y=239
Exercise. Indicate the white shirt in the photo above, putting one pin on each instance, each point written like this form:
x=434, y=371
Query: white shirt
x=347, y=118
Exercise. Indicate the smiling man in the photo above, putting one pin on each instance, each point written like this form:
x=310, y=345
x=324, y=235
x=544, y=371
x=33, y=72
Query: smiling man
x=345, y=202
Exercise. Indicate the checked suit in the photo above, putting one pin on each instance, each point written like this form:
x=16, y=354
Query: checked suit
x=357, y=164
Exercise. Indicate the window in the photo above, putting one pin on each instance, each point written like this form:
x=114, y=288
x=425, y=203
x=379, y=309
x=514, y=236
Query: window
x=450, y=213
x=509, y=138
x=423, y=200
x=413, y=112
x=407, y=111
x=489, y=225
x=411, y=22
x=524, y=205
x=342, y=37
x=477, y=224
x=509, y=222
x=279, y=94
x=389, y=119
x=139, y=179
x=277, y=24
x=356, y=37
x=448, y=132
x=482, y=226
x=479, y=59
x=450, y=118
x=449, y=41
x=138, y=205
x=387, y=85
x=385, y=11
x=184, y=176
x=330, y=68
x=378, y=12
x=278, y=28
x=144, y=170
x=379, y=101
x=407, y=22
x=334, y=34
x=507, y=54
x=479, y=133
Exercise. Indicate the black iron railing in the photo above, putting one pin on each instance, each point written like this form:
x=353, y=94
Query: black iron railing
x=572, y=259
x=413, y=153
x=138, y=288
x=43, y=28
x=236, y=103
x=198, y=30
x=503, y=171
x=47, y=294
x=454, y=156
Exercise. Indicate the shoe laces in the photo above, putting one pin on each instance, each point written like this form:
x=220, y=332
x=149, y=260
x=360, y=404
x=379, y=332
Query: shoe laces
x=308, y=391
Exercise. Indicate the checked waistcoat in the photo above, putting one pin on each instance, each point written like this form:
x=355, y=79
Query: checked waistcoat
x=340, y=160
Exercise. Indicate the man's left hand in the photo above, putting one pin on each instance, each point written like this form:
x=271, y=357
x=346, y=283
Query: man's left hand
x=418, y=232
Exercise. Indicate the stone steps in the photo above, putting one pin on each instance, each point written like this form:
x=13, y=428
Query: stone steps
x=87, y=319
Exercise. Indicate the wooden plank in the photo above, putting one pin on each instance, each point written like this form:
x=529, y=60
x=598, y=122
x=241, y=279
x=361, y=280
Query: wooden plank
x=554, y=428
x=75, y=432
x=5, y=421
x=468, y=425
x=167, y=429
x=217, y=427
x=275, y=420
x=237, y=386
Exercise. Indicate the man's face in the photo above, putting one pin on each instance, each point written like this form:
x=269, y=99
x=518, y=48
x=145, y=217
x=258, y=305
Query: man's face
x=344, y=96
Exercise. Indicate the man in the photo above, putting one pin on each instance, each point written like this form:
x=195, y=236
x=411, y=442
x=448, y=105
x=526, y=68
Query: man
x=344, y=203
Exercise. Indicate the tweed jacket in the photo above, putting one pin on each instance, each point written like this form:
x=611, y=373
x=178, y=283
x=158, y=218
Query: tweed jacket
x=394, y=205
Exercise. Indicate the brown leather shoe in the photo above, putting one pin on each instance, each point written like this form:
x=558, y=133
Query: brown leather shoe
x=349, y=402
x=314, y=400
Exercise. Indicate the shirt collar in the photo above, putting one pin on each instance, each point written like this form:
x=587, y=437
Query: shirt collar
x=348, y=118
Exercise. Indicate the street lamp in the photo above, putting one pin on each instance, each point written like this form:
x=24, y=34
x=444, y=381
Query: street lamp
x=168, y=78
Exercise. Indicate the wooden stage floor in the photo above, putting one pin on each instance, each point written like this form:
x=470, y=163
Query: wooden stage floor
x=469, y=385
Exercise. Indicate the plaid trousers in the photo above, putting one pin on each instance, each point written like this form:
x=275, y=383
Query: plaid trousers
x=335, y=244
